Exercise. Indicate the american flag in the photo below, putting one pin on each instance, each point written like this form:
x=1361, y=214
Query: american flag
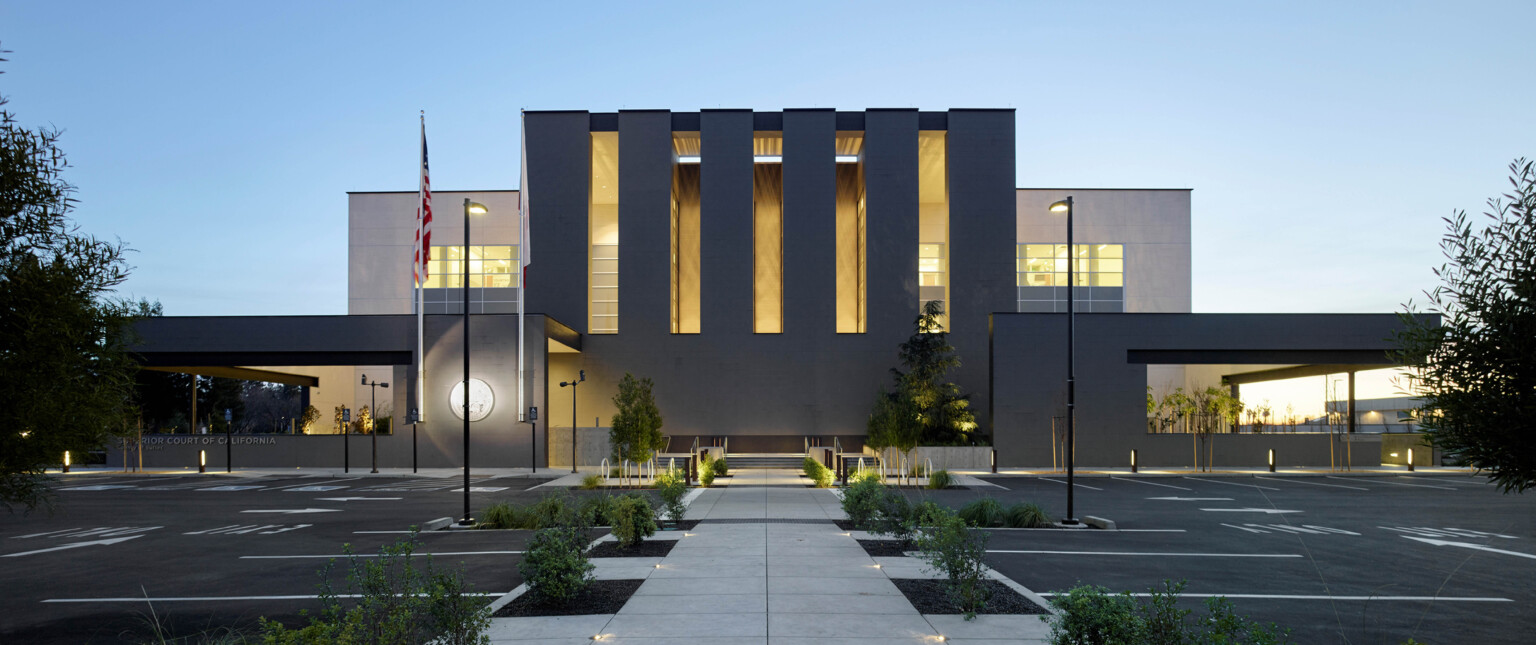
x=423, y=250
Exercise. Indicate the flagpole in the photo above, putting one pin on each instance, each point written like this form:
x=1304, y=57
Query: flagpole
x=522, y=276
x=421, y=283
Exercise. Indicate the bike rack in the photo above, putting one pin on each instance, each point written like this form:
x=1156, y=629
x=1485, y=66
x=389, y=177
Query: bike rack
x=604, y=466
x=928, y=471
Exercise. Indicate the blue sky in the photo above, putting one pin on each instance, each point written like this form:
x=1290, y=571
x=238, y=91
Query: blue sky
x=1324, y=141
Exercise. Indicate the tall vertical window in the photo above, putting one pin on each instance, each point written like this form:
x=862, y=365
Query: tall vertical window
x=768, y=233
x=852, y=289
x=603, y=235
x=1042, y=277
x=933, y=220
x=685, y=233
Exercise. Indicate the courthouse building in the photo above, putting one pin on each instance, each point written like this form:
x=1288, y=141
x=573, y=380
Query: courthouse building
x=762, y=268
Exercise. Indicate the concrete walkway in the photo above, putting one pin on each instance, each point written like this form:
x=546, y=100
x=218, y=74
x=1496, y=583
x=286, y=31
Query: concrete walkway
x=766, y=566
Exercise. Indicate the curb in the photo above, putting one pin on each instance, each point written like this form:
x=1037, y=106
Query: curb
x=437, y=524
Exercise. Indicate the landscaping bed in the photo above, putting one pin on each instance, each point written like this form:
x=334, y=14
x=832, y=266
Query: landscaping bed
x=680, y=525
x=886, y=548
x=645, y=549
x=930, y=597
x=600, y=597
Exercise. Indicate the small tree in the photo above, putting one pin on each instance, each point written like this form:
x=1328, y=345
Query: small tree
x=340, y=425
x=635, y=431
x=362, y=422
x=940, y=410
x=306, y=422
x=1477, y=367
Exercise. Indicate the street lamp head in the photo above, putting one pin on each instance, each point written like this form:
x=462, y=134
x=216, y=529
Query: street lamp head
x=1062, y=206
x=384, y=385
x=564, y=383
x=583, y=374
x=365, y=379
x=475, y=208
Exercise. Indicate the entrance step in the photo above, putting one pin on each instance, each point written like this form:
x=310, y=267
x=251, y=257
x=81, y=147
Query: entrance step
x=792, y=460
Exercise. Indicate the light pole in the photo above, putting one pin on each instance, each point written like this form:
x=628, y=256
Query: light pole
x=477, y=209
x=573, y=383
x=373, y=417
x=1065, y=206
x=533, y=438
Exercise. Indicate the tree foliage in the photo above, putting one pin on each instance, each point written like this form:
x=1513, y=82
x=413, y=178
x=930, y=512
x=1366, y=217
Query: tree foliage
x=635, y=432
x=924, y=408
x=66, y=377
x=1476, y=369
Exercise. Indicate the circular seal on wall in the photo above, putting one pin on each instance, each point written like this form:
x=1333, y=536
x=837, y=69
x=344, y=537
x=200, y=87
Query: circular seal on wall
x=481, y=400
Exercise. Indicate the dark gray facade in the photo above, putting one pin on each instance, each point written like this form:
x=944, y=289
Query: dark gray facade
x=767, y=390
x=1029, y=357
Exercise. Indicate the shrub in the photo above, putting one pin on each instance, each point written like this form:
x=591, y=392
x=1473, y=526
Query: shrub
x=555, y=564
x=672, y=488
x=556, y=509
x=951, y=547
x=591, y=481
x=706, y=477
x=1026, y=515
x=631, y=519
x=809, y=466
x=866, y=475
x=822, y=476
x=940, y=479
x=502, y=515
x=861, y=501
x=1087, y=614
x=894, y=515
x=595, y=510
x=983, y=512
x=391, y=600
x=721, y=467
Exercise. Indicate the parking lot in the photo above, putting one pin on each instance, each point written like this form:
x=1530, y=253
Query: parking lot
x=1348, y=559
x=207, y=551
x=1372, y=559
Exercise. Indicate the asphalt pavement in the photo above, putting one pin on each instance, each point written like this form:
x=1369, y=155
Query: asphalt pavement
x=199, y=552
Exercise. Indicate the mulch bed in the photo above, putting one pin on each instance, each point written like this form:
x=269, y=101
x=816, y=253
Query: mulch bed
x=886, y=548
x=930, y=597
x=600, y=597
x=645, y=549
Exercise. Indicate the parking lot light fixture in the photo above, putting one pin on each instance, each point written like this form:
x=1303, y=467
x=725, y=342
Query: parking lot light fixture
x=1065, y=206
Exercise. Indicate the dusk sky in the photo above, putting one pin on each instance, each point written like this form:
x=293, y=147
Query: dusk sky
x=1324, y=142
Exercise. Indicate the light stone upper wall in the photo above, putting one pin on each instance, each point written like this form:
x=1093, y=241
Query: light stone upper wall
x=382, y=231
x=1153, y=224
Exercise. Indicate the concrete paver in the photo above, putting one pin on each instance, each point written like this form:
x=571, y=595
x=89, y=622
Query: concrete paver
x=767, y=581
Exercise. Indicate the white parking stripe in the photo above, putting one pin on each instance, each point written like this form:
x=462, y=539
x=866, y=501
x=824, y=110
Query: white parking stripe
x=337, y=481
x=1215, y=481
x=1073, y=483
x=229, y=598
x=1292, y=481
x=1378, y=481
x=1270, y=596
x=1148, y=483
x=367, y=555
x=1239, y=527
x=1288, y=528
x=31, y=535
x=1158, y=555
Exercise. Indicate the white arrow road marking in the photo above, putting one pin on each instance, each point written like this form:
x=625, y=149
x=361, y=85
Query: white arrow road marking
x=1270, y=511
x=73, y=545
x=296, y=511
x=1217, y=481
x=1468, y=545
x=1125, y=479
x=1185, y=555
x=349, y=499
x=1194, y=499
x=1046, y=479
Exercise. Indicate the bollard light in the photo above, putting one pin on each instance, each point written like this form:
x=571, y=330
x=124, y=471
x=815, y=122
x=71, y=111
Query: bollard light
x=1271, y=460
x=202, y=461
x=994, y=461
x=1410, y=460
x=66, y=461
x=1133, y=461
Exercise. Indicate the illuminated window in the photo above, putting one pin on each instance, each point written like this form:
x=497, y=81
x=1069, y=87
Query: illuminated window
x=489, y=267
x=685, y=234
x=603, y=235
x=852, y=289
x=768, y=233
x=1042, y=277
x=933, y=221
